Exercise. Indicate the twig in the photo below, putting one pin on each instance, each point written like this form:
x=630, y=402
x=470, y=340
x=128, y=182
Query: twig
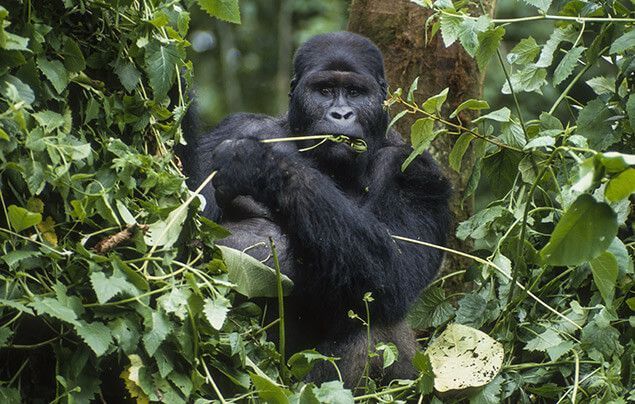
x=491, y=264
x=281, y=336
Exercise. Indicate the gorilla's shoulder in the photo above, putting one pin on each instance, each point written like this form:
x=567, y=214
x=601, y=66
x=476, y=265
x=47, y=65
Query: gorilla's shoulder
x=243, y=124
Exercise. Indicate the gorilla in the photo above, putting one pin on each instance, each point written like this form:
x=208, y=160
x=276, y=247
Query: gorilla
x=330, y=209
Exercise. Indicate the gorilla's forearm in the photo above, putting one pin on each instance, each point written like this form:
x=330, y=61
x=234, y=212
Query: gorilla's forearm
x=345, y=245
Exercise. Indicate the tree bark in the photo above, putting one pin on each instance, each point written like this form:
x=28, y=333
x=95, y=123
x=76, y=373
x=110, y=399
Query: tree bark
x=398, y=28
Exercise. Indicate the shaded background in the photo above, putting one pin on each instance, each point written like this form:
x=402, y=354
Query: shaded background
x=247, y=67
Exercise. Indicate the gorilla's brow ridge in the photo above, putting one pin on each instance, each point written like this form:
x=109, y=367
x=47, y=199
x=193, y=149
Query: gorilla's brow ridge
x=340, y=78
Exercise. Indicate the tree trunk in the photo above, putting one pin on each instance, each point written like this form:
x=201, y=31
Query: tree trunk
x=398, y=28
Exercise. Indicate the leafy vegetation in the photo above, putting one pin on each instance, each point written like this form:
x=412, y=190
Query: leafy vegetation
x=112, y=284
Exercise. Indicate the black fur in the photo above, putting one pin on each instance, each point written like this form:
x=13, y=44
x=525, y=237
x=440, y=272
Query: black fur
x=331, y=210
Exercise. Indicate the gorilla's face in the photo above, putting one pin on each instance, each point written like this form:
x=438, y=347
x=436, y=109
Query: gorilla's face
x=339, y=102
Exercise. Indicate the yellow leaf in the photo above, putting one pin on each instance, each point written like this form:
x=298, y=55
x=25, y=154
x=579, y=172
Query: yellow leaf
x=47, y=228
x=130, y=377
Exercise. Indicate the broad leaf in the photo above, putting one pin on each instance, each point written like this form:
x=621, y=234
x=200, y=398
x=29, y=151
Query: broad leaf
x=96, y=335
x=21, y=218
x=464, y=357
x=251, y=277
x=621, y=186
x=605, y=271
x=55, y=72
x=567, y=64
x=488, y=43
x=215, y=311
x=226, y=10
x=585, y=231
x=161, y=61
x=626, y=41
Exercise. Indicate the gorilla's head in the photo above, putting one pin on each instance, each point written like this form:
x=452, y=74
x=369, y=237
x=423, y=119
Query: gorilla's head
x=338, y=88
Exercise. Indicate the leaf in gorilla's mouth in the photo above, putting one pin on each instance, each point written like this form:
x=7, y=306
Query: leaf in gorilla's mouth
x=357, y=144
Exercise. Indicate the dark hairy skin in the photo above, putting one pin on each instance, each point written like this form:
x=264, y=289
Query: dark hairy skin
x=331, y=210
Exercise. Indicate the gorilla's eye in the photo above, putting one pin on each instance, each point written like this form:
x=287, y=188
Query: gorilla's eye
x=352, y=92
x=326, y=91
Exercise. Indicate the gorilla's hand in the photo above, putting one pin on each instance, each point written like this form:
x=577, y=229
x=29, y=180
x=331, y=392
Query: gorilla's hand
x=241, y=168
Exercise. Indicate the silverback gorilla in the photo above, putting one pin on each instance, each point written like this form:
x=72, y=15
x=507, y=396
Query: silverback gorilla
x=331, y=210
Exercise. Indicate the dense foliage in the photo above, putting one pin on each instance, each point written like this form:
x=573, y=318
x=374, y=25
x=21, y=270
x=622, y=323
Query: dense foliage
x=112, y=284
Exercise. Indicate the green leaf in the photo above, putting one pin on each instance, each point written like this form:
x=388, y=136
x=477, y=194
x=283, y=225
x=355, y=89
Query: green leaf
x=471, y=104
x=161, y=61
x=630, y=110
x=333, y=392
x=269, y=391
x=107, y=288
x=157, y=329
x=559, y=35
x=301, y=363
x=434, y=103
x=421, y=136
x=49, y=120
x=431, y=309
x=10, y=395
x=556, y=351
x=478, y=226
x=604, y=269
x=14, y=257
x=544, y=341
x=21, y=218
x=625, y=42
x=16, y=42
x=216, y=311
x=469, y=31
x=464, y=357
x=450, y=28
x=411, y=91
x=390, y=353
x=176, y=302
x=585, y=231
x=396, y=118
x=458, y=151
x=594, y=124
x=226, y=10
x=55, y=72
x=96, y=335
x=251, y=277
x=128, y=75
x=54, y=308
x=524, y=53
x=472, y=308
x=500, y=115
x=73, y=58
x=421, y=362
x=488, y=43
x=24, y=92
x=620, y=186
x=490, y=394
x=529, y=79
x=567, y=64
x=601, y=85
x=542, y=5
x=166, y=232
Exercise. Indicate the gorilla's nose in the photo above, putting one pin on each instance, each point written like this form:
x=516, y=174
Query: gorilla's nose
x=341, y=115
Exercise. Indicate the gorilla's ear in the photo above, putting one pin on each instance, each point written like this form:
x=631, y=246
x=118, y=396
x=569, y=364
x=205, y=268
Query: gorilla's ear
x=294, y=82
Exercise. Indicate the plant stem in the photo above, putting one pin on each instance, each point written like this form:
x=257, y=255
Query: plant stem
x=281, y=337
x=545, y=17
x=569, y=87
x=496, y=267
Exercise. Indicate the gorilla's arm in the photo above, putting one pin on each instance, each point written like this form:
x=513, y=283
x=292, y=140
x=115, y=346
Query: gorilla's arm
x=197, y=155
x=344, y=242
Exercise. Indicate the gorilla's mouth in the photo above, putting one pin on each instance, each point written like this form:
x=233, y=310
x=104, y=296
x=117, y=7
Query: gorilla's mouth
x=356, y=143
